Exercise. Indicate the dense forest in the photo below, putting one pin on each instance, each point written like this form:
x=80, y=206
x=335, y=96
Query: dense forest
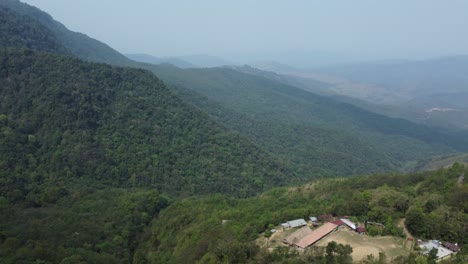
x=98, y=224
x=86, y=149
x=64, y=118
x=313, y=136
x=108, y=164
x=20, y=31
x=434, y=204
x=306, y=130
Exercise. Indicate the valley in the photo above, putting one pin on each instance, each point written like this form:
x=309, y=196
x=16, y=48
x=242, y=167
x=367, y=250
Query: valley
x=405, y=89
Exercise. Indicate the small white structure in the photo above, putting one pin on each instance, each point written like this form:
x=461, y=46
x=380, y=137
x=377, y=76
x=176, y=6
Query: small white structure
x=442, y=252
x=313, y=219
x=273, y=231
x=349, y=223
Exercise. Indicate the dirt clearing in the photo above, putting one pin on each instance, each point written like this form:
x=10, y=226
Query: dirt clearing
x=364, y=245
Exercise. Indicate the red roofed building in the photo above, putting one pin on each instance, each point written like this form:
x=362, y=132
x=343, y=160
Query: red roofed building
x=325, y=218
x=361, y=230
x=338, y=222
x=451, y=246
x=316, y=235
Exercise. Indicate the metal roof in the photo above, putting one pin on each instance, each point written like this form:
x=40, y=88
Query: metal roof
x=313, y=219
x=297, y=222
x=441, y=251
x=348, y=223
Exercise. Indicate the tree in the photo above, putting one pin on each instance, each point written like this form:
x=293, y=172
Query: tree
x=330, y=252
x=432, y=256
x=338, y=253
x=344, y=254
x=415, y=221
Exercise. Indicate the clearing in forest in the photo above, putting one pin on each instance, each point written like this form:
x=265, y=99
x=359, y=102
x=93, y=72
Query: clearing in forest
x=364, y=245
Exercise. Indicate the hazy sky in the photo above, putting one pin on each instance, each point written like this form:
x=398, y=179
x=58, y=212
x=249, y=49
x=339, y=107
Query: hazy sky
x=294, y=31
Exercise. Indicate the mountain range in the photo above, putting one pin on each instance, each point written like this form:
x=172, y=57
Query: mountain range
x=431, y=92
x=194, y=61
x=308, y=134
x=105, y=159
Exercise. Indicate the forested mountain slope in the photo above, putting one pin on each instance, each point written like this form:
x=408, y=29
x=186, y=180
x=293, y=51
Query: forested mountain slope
x=78, y=44
x=320, y=135
x=220, y=229
x=92, y=155
x=20, y=31
x=86, y=149
x=316, y=136
x=94, y=225
x=64, y=118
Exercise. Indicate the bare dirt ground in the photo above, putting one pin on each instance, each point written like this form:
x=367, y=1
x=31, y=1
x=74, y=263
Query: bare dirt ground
x=364, y=245
x=276, y=239
x=409, y=243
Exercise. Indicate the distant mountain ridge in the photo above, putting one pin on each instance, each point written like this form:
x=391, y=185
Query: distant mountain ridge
x=411, y=77
x=421, y=85
x=193, y=61
x=397, y=88
x=206, y=61
x=161, y=60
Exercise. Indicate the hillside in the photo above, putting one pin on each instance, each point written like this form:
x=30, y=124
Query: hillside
x=313, y=135
x=108, y=164
x=119, y=126
x=87, y=149
x=318, y=135
x=90, y=153
x=442, y=108
x=431, y=92
x=92, y=224
x=78, y=44
x=442, y=162
x=19, y=31
x=220, y=229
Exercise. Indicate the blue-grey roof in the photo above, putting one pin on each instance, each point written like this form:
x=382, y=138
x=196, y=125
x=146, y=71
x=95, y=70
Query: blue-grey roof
x=297, y=222
x=441, y=251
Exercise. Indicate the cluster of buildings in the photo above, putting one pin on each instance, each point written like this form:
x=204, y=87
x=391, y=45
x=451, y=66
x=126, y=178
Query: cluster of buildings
x=444, y=250
x=306, y=237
